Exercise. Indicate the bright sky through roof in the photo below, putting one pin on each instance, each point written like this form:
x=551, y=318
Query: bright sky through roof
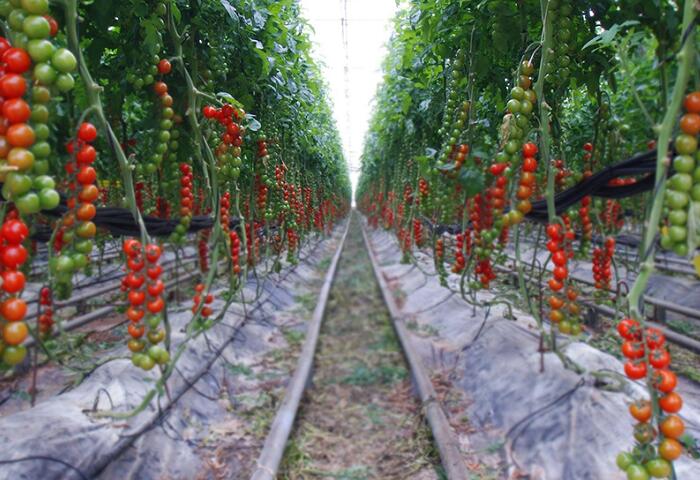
x=351, y=36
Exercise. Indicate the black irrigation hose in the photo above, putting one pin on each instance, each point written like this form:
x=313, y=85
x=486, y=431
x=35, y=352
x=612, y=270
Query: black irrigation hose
x=597, y=185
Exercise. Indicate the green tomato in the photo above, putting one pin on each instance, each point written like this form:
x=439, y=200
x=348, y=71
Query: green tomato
x=41, y=94
x=65, y=82
x=36, y=27
x=513, y=106
x=681, y=249
x=40, y=114
x=79, y=260
x=512, y=147
x=696, y=175
x=148, y=79
x=678, y=217
x=5, y=8
x=684, y=163
x=695, y=192
x=13, y=355
x=64, y=264
x=636, y=472
x=40, y=50
x=45, y=73
x=16, y=20
x=517, y=93
x=83, y=246
x=164, y=136
x=526, y=107
x=137, y=358
x=658, y=468
x=28, y=203
x=147, y=363
x=676, y=200
x=153, y=321
x=40, y=167
x=43, y=181
x=686, y=144
x=64, y=60
x=41, y=131
x=36, y=7
x=681, y=182
x=49, y=198
x=678, y=233
x=17, y=184
x=41, y=149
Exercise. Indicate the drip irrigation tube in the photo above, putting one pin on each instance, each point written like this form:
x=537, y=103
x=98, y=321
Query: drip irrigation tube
x=276, y=440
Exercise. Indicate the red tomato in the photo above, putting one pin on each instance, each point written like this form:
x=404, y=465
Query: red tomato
x=13, y=256
x=671, y=403
x=628, y=329
x=664, y=380
x=12, y=85
x=87, y=132
x=13, y=309
x=635, y=371
x=13, y=281
x=16, y=110
x=632, y=350
x=20, y=135
x=659, y=358
x=17, y=60
x=529, y=150
x=164, y=67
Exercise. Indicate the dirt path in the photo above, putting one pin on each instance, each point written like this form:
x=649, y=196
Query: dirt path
x=359, y=420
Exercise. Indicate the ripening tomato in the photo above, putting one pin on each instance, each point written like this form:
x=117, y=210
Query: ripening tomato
x=161, y=88
x=671, y=402
x=87, y=132
x=670, y=449
x=13, y=309
x=641, y=410
x=86, y=212
x=53, y=25
x=555, y=285
x=672, y=426
x=556, y=316
x=690, y=123
x=89, y=193
x=136, y=345
x=15, y=333
x=20, y=135
x=135, y=330
x=691, y=103
x=556, y=302
x=644, y=433
x=635, y=370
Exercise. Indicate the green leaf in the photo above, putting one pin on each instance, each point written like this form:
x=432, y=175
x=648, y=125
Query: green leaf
x=472, y=181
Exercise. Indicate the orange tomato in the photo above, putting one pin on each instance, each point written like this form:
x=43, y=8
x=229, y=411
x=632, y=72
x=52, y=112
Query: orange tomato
x=14, y=333
x=641, y=410
x=13, y=309
x=672, y=426
x=670, y=449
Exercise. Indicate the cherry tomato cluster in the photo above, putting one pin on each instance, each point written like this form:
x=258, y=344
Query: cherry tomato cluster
x=74, y=239
x=203, y=250
x=228, y=151
x=13, y=309
x=559, y=70
x=602, y=262
x=527, y=183
x=167, y=137
x=418, y=232
x=235, y=251
x=45, y=322
x=23, y=148
x=224, y=208
x=645, y=349
x=186, y=203
x=455, y=117
x=144, y=291
x=611, y=215
x=684, y=186
x=203, y=303
x=460, y=240
x=585, y=217
x=567, y=324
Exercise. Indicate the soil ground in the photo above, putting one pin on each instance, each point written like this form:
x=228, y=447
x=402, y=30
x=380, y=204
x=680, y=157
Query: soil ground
x=360, y=418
